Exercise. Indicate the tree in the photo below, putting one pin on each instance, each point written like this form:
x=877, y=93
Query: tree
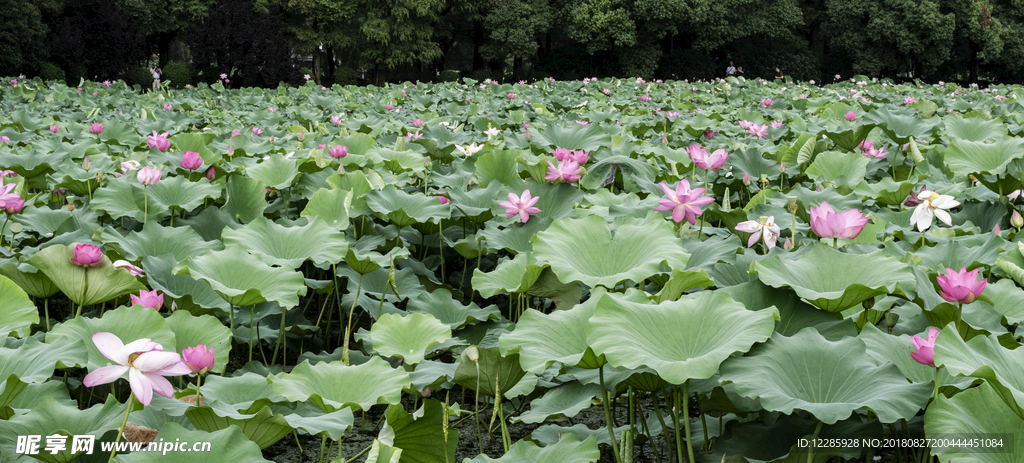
x=161, y=21
x=235, y=36
x=94, y=38
x=399, y=32
x=23, y=35
x=515, y=27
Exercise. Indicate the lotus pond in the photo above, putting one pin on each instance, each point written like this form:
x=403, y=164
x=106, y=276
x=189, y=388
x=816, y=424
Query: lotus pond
x=718, y=271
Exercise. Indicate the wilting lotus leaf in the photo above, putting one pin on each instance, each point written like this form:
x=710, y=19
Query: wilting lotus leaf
x=984, y=357
x=225, y=445
x=975, y=412
x=156, y=240
x=829, y=379
x=968, y=157
x=404, y=209
x=242, y=279
x=420, y=435
x=333, y=385
x=407, y=337
x=179, y=193
x=129, y=323
x=48, y=416
x=289, y=246
x=277, y=172
x=85, y=287
x=192, y=330
x=681, y=340
x=974, y=128
x=331, y=206
x=17, y=312
x=835, y=281
x=567, y=399
x=567, y=450
x=585, y=250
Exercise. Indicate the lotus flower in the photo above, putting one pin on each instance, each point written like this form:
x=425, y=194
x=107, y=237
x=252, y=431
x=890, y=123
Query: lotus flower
x=135, y=271
x=520, y=205
x=5, y=193
x=567, y=171
x=211, y=174
x=645, y=98
x=335, y=120
x=744, y=124
x=962, y=286
x=54, y=129
x=417, y=122
x=766, y=102
x=703, y=161
x=144, y=362
x=87, y=255
x=851, y=116
x=199, y=359
x=443, y=199
x=148, y=175
x=96, y=127
x=877, y=153
x=470, y=149
x=511, y=95
x=160, y=141
x=866, y=145
x=845, y=225
x=932, y=205
x=763, y=227
x=257, y=131
x=190, y=160
x=709, y=134
x=129, y=165
x=562, y=154
x=908, y=100
x=758, y=131
x=337, y=151
x=777, y=124
x=579, y=157
x=912, y=198
x=925, y=348
x=152, y=299
x=683, y=202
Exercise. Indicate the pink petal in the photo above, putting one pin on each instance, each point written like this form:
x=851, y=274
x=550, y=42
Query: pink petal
x=753, y=238
x=668, y=191
x=142, y=387
x=104, y=375
x=160, y=385
x=678, y=213
x=155, y=361
x=110, y=346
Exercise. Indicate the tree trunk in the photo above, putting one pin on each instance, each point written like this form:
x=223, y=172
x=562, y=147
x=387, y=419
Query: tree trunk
x=331, y=65
x=478, y=40
x=316, y=66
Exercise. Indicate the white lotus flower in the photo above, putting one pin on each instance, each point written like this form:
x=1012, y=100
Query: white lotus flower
x=469, y=150
x=764, y=227
x=932, y=205
x=492, y=132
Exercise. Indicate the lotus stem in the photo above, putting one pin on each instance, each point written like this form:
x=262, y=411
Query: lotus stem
x=476, y=414
x=3, y=228
x=835, y=242
x=657, y=413
x=506, y=441
x=323, y=444
x=440, y=246
x=675, y=423
x=686, y=420
x=935, y=394
x=252, y=327
x=120, y=431
x=814, y=438
x=352, y=310
x=145, y=203
x=85, y=291
x=704, y=423
x=280, y=336
x=46, y=313
x=608, y=416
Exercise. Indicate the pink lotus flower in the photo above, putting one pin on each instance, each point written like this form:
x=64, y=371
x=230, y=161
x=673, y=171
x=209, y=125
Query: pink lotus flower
x=7, y=141
x=337, y=151
x=96, y=127
x=87, y=255
x=606, y=91
x=766, y=102
x=199, y=359
x=417, y=122
x=562, y=154
x=777, y=124
x=877, y=153
x=389, y=107
x=645, y=98
x=135, y=271
x=152, y=299
x=567, y=171
x=160, y=141
x=745, y=124
x=511, y=96
x=5, y=193
x=709, y=134
x=962, y=286
x=520, y=205
x=148, y=175
x=851, y=116
x=579, y=157
x=211, y=174
x=925, y=348
x=167, y=107
x=106, y=83
x=335, y=120
x=235, y=133
x=223, y=76
x=764, y=227
x=144, y=362
x=14, y=206
x=758, y=131
x=683, y=202
x=866, y=145
x=908, y=100
x=845, y=225
x=412, y=135
x=54, y=129
x=443, y=199
x=583, y=123
x=190, y=160
x=702, y=160
x=257, y=131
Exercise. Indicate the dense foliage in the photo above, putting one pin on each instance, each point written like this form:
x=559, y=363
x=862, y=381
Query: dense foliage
x=263, y=42
x=722, y=268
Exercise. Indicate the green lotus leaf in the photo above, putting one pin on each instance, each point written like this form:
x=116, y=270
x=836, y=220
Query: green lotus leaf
x=48, y=416
x=682, y=281
x=513, y=238
x=835, y=281
x=573, y=137
x=635, y=252
x=183, y=288
x=983, y=357
x=886, y=191
x=1007, y=299
x=125, y=197
x=961, y=253
x=242, y=279
x=498, y=166
x=84, y=287
x=681, y=340
x=277, y=172
x=383, y=453
x=830, y=166
x=17, y=312
x=829, y=379
x=563, y=295
x=976, y=412
x=246, y=198
x=514, y=275
x=794, y=313
x=331, y=206
x=407, y=337
x=404, y=209
x=974, y=129
x=396, y=161
x=156, y=240
x=567, y=399
x=29, y=278
x=192, y=330
x=902, y=124
x=358, y=184
x=420, y=436
x=567, y=450
x=357, y=143
x=289, y=246
x=968, y=157
x=185, y=141
x=119, y=133
x=887, y=348
x=246, y=393
x=543, y=339
x=333, y=386
x=180, y=193
x=313, y=421
x=34, y=361
x=129, y=323
x=263, y=428
x=440, y=304
x=225, y=445
x=491, y=372
x=478, y=202
x=43, y=220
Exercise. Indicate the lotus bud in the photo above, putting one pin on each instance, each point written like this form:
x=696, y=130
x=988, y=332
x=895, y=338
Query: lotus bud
x=85, y=163
x=788, y=245
x=996, y=229
x=341, y=168
x=891, y=319
x=1016, y=220
x=782, y=168
x=302, y=135
x=472, y=353
x=746, y=179
x=664, y=139
x=271, y=139
x=764, y=178
x=211, y=174
x=425, y=393
x=231, y=150
x=868, y=303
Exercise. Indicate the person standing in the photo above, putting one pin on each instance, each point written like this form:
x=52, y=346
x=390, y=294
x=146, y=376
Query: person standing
x=156, y=71
x=731, y=70
x=778, y=74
